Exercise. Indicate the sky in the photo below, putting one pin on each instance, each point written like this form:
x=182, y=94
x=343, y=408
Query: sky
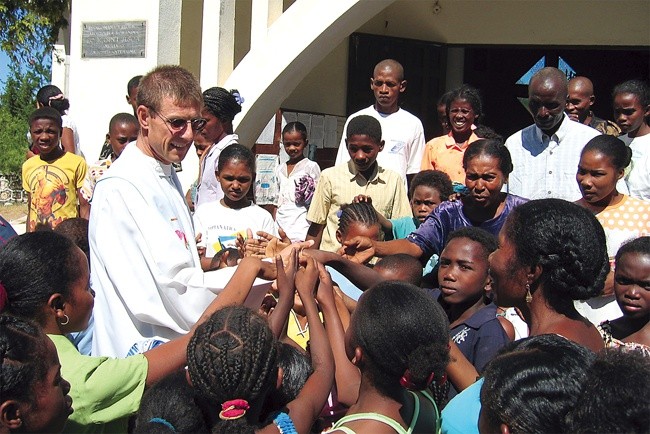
x=4, y=69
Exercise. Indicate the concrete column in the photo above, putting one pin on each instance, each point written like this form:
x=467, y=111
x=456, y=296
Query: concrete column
x=169, y=32
x=455, y=67
x=217, y=42
x=265, y=12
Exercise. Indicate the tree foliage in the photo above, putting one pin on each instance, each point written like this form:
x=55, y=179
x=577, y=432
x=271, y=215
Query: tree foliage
x=16, y=104
x=29, y=28
x=28, y=31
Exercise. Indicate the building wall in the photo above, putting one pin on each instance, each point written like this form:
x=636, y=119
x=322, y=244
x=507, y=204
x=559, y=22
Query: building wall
x=520, y=22
x=97, y=87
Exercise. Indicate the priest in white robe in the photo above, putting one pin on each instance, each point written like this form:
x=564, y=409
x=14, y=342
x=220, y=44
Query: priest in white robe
x=145, y=268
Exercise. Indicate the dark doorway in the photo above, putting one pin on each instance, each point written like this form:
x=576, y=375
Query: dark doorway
x=496, y=70
x=424, y=69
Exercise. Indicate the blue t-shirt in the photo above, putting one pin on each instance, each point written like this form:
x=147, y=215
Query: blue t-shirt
x=460, y=416
x=402, y=227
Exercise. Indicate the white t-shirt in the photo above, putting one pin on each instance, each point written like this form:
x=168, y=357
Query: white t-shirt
x=403, y=135
x=219, y=225
x=289, y=216
x=209, y=189
x=638, y=176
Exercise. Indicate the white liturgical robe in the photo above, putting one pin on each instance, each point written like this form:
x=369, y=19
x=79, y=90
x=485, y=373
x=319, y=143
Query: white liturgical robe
x=145, y=268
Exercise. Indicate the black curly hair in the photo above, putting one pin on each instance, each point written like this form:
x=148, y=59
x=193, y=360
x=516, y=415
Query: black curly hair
x=612, y=397
x=532, y=384
x=364, y=125
x=567, y=242
x=23, y=360
x=435, y=179
x=34, y=266
x=233, y=355
x=472, y=96
x=399, y=327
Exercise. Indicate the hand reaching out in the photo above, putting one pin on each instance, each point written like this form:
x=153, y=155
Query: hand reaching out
x=287, y=273
x=306, y=279
x=358, y=249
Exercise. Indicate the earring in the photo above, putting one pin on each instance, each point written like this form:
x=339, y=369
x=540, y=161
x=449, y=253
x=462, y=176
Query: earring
x=67, y=320
x=529, y=296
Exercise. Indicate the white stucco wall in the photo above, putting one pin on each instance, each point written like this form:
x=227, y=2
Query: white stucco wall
x=97, y=87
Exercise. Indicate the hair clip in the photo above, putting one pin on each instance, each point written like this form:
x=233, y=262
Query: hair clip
x=4, y=298
x=233, y=409
x=240, y=99
x=162, y=421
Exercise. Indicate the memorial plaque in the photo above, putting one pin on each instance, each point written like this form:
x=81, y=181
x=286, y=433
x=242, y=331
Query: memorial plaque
x=113, y=39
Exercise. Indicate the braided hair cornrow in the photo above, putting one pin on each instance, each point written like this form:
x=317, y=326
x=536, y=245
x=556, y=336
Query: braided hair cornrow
x=233, y=355
x=221, y=103
x=360, y=212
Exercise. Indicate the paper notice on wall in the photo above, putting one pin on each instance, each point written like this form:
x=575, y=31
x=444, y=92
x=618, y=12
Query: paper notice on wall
x=266, y=184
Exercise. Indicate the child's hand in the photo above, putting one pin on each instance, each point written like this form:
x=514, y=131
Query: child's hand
x=287, y=273
x=219, y=261
x=251, y=246
x=306, y=279
x=268, y=270
x=325, y=292
x=200, y=249
x=362, y=198
x=358, y=249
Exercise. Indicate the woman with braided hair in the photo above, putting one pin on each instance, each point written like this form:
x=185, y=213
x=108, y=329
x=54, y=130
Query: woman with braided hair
x=551, y=253
x=220, y=108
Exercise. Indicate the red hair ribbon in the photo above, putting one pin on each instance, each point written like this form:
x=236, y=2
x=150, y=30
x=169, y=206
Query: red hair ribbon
x=233, y=409
x=407, y=382
x=4, y=298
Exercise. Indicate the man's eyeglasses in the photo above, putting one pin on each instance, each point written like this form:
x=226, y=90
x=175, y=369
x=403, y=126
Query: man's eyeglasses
x=177, y=124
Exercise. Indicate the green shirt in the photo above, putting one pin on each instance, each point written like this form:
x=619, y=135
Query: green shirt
x=104, y=391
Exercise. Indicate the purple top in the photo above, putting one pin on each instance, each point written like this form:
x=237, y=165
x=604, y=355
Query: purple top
x=432, y=234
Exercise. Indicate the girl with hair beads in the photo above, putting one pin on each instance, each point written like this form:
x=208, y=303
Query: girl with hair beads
x=219, y=222
x=220, y=108
x=51, y=96
x=398, y=356
x=445, y=153
x=232, y=363
x=45, y=278
x=602, y=165
x=297, y=179
x=33, y=396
